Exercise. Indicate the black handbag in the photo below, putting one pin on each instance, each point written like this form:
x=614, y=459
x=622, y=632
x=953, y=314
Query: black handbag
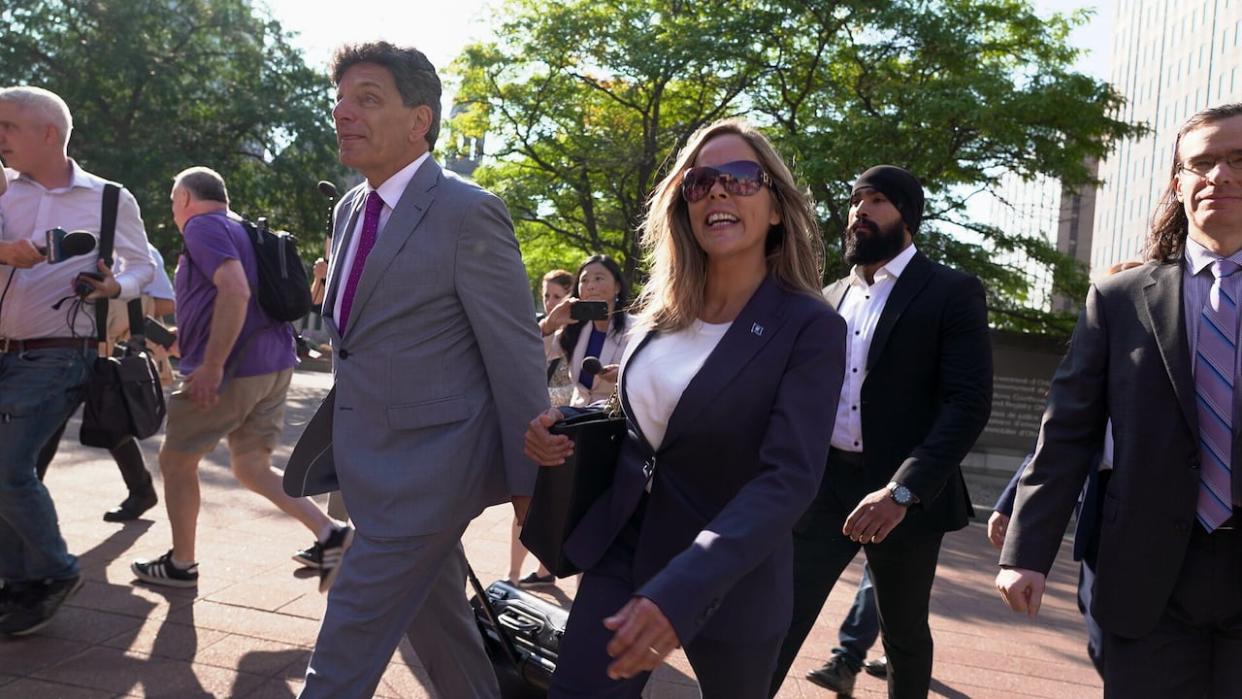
x=564, y=493
x=124, y=397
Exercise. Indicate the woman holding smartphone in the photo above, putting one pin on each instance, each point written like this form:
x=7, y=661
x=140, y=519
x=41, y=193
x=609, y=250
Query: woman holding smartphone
x=729, y=388
x=596, y=328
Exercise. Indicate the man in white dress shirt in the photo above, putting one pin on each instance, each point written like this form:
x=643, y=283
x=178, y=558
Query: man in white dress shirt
x=47, y=337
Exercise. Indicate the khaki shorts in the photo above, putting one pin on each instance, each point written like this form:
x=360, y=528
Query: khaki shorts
x=251, y=412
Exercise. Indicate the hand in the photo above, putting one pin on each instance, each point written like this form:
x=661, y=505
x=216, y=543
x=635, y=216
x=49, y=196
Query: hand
x=609, y=373
x=521, y=505
x=998, y=524
x=21, y=254
x=876, y=515
x=643, y=639
x=558, y=318
x=1022, y=589
x=203, y=385
x=543, y=447
x=321, y=269
x=106, y=288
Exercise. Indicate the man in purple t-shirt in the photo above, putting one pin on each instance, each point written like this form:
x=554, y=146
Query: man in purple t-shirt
x=237, y=364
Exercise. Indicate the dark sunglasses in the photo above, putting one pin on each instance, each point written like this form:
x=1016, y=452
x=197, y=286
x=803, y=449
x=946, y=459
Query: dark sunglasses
x=740, y=178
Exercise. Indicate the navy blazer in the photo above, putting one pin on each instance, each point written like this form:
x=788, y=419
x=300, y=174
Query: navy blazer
x=741, y=460
x=1087, y=525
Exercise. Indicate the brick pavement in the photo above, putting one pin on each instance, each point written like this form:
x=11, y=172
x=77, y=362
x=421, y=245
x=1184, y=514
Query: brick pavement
x=248, y=628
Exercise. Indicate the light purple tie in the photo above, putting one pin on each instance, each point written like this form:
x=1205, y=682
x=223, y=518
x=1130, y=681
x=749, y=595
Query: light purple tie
x=1215, y=362
x=366, y=241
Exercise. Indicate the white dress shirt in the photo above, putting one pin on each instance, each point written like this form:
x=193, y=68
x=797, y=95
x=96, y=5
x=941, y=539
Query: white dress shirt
x=29, y=210
x=390, y=192
x=861, y=308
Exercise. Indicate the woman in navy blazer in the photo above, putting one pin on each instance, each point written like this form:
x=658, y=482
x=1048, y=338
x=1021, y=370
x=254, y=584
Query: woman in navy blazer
x=729, y=385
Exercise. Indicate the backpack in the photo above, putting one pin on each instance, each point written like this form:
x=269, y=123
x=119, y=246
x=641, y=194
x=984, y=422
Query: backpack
x=283, y=290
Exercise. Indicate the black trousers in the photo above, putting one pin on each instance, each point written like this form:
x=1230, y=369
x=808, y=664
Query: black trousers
x=1195, y=651
x=903, y=568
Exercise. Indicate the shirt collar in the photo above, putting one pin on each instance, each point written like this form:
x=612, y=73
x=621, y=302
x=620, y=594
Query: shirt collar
x=393, y=187
x=1199, y=258
x=77, y=178
x=893, y=268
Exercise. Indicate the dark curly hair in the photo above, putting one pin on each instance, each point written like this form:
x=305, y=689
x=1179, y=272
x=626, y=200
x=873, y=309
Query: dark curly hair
x=1169, y=226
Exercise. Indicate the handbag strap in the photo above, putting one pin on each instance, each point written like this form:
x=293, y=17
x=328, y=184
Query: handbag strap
x=107, y=239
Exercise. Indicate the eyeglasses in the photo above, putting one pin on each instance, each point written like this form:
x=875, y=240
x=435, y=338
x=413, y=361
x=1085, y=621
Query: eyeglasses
x=1201, y=165
x=740, y=178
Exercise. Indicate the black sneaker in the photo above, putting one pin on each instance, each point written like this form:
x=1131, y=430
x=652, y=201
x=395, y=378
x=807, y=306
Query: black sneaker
x=537, y=580
x=36, y=605
x=877, y=667
x=331, y=553
x=10, y=597
x=836, y=675
x=161, y=571
x=311, y=556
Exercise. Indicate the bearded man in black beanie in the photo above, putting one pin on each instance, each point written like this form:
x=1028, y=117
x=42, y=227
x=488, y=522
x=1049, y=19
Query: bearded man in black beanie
x=917, y=393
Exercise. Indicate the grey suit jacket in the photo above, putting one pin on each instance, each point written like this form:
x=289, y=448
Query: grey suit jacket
x=1129, y=360
x=440, y=368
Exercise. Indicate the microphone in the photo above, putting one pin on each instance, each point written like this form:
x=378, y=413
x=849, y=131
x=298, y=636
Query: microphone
x=61, y=245
x=327, y=189
x=592, y=366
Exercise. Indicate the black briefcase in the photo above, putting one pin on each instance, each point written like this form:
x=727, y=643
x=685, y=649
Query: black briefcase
x=522, y=634
x=564, y=493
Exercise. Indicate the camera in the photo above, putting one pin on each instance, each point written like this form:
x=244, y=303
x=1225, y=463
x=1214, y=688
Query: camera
x=82, y=289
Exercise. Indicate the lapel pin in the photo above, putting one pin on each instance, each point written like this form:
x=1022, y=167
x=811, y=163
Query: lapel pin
x=757, y=329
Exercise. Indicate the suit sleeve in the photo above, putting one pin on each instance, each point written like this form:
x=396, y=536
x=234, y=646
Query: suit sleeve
x=491, y=282
x=1069, y=440
x=793, y=453
x=966, y=393
x=1004, y=503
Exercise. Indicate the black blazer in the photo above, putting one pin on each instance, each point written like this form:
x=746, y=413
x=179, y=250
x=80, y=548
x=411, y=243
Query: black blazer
x=927, y=394
x=741, y=459
x=1087, y=525
x=1129, y=360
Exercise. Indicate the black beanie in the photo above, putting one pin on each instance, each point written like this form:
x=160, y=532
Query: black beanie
x=901, y=188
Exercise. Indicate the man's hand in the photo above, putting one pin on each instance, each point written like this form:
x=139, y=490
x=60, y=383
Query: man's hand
x=21, y=254
x=543, y=447
x=106, y=288
x=321, y=269
x=521, y=505
x=998, y=524
x=1022, y=590
x=874, y=518
x=203, y=385
x=643, y=638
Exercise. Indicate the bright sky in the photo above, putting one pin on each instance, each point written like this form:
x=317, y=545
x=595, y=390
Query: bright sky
x=442, y=29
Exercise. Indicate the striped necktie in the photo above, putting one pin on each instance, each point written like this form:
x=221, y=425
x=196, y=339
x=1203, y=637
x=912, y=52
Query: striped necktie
x=1215, y=362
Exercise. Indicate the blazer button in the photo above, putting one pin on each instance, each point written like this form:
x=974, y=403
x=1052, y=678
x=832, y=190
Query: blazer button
x=343, y=354
x=1194, y=463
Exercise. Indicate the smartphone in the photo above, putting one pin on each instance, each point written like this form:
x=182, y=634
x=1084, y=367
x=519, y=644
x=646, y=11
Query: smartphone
x=589, y=310
x=155, y=331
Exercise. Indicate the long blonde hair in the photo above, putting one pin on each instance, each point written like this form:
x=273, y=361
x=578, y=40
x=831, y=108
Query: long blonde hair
x=673, y=296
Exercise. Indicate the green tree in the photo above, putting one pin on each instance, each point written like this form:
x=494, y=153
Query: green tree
x=585, y=104
x=156, y=86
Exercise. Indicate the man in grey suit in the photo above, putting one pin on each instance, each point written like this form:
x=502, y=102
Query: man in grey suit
x=1156, y=350
x=438, y=370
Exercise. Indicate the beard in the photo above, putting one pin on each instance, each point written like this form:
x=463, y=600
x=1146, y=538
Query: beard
x=867, y=243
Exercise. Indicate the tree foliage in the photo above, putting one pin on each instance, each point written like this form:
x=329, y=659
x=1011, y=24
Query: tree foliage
x=156, y=86
x=582, y=104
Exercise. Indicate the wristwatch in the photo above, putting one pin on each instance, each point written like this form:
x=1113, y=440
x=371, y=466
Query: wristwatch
x=901, y=494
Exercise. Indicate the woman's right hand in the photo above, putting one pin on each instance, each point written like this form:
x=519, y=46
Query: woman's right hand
x=559, y=317
x=543, y=447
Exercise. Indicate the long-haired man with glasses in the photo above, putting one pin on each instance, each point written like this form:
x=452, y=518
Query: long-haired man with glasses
x=1156, y=350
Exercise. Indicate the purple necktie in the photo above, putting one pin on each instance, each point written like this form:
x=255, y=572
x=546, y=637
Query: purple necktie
x=366, y=241
x=1215, y=362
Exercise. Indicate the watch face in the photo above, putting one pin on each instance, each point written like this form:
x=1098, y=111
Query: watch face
x=902, y=495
